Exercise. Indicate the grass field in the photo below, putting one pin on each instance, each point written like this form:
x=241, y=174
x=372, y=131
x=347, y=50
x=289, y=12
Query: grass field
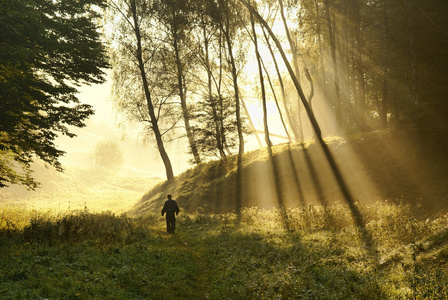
x=313, y=253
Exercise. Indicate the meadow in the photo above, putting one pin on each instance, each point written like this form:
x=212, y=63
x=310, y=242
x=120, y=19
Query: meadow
x=90, y=234
x=311, y=252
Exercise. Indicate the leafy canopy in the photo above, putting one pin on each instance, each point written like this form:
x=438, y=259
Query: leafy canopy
x=47, y=49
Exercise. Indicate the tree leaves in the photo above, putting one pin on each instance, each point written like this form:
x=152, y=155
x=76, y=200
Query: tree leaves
x=47, y=50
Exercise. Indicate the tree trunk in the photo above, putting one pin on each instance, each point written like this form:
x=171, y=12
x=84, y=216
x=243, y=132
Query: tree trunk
x=319, y=39
x=384, y=102
x=272, y=159
x=235, y=82
x=385, y=88
x=358, y=39
x=216, y=105
x=263, y=91
x=413, y=83
x=238, y=183
x=332, y=37
x=276, y=103
x=282, y=87
x=295, y=62
x=292, y=46
x=183, y=103
x=153, y=119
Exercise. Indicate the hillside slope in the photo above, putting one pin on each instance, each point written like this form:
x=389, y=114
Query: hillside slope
x=379, y=165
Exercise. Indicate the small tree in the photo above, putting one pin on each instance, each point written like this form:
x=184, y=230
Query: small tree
x=218, y=126
x=107, y=155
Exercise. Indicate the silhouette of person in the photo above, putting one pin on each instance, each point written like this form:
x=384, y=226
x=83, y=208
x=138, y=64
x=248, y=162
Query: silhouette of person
x=170, y=208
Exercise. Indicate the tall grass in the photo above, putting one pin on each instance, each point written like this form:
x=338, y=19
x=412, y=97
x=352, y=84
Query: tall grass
x=315, y=252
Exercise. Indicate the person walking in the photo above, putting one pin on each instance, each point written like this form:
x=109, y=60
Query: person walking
x=170, y=208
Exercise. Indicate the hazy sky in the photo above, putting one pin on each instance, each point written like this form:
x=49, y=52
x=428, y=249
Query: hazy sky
x=103, y=126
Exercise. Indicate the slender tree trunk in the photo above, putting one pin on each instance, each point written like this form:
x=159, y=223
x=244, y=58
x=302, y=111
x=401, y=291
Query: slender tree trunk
x=272, y=159
x=295, y=62
x=263, y=91
x=319, y=40
x=332, y=38
x=360, y=102
x=310, y=97
x=183, y=103
x=276, y=102
x=153, y=119
x=282, y=87
x=385, y=88
x=219, y=86
x=292, y=46
x=239, y=187
x=216, y=104
x=235, y=83
x=414, y=82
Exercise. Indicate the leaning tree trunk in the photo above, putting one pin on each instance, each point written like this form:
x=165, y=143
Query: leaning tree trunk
x=274, y=94
x=295, y=60
x=272, y=159
x=153, y=118
x=263, y=90
x=282, y=87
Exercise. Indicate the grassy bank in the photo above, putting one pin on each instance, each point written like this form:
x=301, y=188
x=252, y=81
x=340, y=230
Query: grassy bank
x=376, y=166
x=313, y=252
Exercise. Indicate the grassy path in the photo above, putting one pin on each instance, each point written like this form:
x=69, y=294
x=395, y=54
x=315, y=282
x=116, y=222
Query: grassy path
x=203, y=270
x=192, y=247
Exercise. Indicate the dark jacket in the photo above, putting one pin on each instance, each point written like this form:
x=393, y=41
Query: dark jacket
x=170, y=207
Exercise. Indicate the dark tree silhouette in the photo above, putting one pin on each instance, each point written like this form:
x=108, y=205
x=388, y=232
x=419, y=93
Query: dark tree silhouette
x=47, y=48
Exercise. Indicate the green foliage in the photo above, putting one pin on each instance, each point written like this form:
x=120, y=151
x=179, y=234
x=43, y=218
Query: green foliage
x=98, y=256
x=216, y=126
x=47, y=48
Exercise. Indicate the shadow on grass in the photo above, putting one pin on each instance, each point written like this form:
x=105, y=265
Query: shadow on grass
x=217, y=257
x=260, y=264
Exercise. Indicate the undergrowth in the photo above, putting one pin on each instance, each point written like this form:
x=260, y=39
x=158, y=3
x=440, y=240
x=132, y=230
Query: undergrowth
x=312, y=252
